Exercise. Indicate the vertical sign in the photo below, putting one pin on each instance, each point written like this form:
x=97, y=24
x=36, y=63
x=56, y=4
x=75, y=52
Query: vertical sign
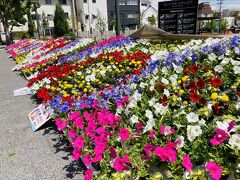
x=178, y=17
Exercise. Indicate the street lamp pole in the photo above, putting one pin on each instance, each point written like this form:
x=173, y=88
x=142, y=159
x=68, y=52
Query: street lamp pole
x=37, y=18
x=117, y=17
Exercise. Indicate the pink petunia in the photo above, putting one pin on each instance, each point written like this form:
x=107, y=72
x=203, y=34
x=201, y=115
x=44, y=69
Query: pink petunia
x=113, y=152
x=121, y=164
x=220, y=137
x=78, y=142
x=76, y=154
x=166, y=130
x=87, y=159
x=61, y=124
x=152, y=134
x=187, y=163
x=72, y=133
x=88, y=174
x=148, y=149
x=166, y=153
x=124, y=134
x=78, y=122
x=214, y=169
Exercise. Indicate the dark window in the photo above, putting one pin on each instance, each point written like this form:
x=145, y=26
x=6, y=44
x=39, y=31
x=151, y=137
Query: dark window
x=85, y=1
x=66, y=15
x=144, y=4
x=132, y=2
x=63, y=1
x=50, y=17
x=122, y=2
x=48, y=1
x=93, y=1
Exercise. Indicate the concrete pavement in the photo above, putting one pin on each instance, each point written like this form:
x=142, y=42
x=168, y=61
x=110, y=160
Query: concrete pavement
x=25, y=155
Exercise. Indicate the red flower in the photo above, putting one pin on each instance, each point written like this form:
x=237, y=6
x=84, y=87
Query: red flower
x=164, y=100
x=202, y=101
x=194, y=97
x=192, y=86
x=201, y=83
x=137, y=72
x=194, y=68
x=216, y=82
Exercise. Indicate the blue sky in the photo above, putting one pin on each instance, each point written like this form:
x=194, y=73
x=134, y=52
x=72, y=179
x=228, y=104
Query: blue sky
x=227, y=4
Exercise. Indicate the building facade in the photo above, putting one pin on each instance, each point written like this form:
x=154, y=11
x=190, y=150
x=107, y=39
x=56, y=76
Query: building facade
x=129, y=11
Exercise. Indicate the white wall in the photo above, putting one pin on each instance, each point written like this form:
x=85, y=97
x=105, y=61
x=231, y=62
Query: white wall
x=91, y=9
x=49, y=9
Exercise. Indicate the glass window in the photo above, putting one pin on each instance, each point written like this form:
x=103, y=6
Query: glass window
x=50, y=17
x=66, y=15
x=93, y=1
x=85, y=1
x=48, y=1
x=132, y=16
x=132, y=2
x=63, y=1
x=122, y=2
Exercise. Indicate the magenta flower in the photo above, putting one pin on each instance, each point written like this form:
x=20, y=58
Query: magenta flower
x=187, y=163
x=124, y=99
x=61, y=124
x=78, y=122
x=76, y=154
x=231, y=125
x=161, y=152
x=124, y=134
x=121, y=164
x=119, y=105
x=73, y=115
x=72, y=133
x=220, y=137
x=166, y=130
x=87, y=159
x=214, y=169
x=78, y=143
x=89, y=117
x=113, y=152
x=148, y=149
x=152, y=134
x=88, y=174
x=166, y=153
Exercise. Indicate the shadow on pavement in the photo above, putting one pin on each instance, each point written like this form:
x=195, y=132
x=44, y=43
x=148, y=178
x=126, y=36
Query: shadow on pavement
x=60, y=143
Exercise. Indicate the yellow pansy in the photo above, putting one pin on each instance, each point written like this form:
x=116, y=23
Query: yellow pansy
x=185, y=78
x=181, y=91
x=225, y=98
x=214, y=96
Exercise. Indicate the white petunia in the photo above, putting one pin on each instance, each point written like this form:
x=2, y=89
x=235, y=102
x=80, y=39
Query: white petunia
x=152, y=102
x=166, y=92
x=165, y=70
x=212, y=57
x=193, y=132
x=218, y=68
x=192, y=117
x=202, y=122
x=134, y=119
x=225, y=61
x=173, y=79
x=165, y=81
x=160, y=109
x=149, y=114
x=137, y=96
x=223, y=125
x=234, y=141
x=142, y=85
x=150, y=124
x=177, y=69
x=180, y=142
x=236, y=69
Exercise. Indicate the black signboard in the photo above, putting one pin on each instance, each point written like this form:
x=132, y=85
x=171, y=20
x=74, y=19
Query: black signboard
x=178, y=17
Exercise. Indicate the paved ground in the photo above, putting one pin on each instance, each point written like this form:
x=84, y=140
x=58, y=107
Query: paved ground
x=25, y=155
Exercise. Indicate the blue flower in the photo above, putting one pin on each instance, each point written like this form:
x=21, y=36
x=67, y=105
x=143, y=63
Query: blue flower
x=64, y=108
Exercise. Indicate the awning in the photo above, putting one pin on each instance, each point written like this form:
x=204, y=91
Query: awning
x=154, y=33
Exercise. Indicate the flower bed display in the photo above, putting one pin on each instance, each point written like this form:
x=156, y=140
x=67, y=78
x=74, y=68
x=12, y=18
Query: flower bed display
x=136, y=109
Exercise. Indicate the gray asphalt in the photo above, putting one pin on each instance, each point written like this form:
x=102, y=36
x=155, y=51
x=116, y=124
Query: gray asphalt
x=25, y=155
